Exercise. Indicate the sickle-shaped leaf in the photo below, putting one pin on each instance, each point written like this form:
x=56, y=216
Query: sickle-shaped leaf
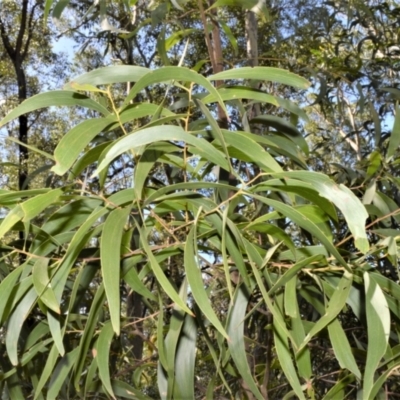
x=334, y=307
x=263, y=74
x=342, y=197
x=110, y=75
x=161, y=133
x=73, y=142
x=37, y=204
x=41, y=282
x=167, y=74
x=51, y=99
x=15, y=323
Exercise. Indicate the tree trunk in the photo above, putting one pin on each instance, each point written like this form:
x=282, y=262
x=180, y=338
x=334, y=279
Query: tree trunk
x=17, y=54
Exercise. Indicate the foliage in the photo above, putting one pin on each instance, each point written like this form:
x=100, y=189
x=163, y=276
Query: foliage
x=181, y=255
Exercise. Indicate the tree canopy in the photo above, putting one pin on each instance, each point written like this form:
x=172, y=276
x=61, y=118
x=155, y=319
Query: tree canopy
x=204, y=200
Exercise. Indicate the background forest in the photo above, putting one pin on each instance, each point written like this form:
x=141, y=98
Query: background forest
x=199, y=199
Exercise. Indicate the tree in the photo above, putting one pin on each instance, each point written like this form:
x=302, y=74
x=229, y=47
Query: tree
x=248, y=273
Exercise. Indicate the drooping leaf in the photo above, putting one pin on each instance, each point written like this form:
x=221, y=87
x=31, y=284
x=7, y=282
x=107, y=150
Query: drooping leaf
x=110, y=254
x=160, y=133
x=74, y=142
x=394, y=141
x=342, y=349
x=41, y=282
x=286, y=360
x=196, y=283
x=158, y=272
x=235, y=330
x=332, y=309
x=60, y=374
x=185, y=360
x=111, y=74
x=51, y=99
x=37, y=204
x=15, y=323
x=103, y=356
x=343, y=198
x=378, y=323
x=173, y=74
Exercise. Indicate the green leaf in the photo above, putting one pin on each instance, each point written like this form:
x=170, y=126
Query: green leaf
x=305, y=223
x=343, y=198
x=243, y=92
x=377, y=124
x=122, y=389
x=249, y=4
x=110, y=254
x=286, y=360
x=175, y=74
x=342, y=349
x=338, y=390
x=56, y=331
x=394, y=141
x=303, y=359
x=15, y=322
x=332, y=309
x=51, y=99
x=88, y=333
x=378, y=322
x=60, y=374
x=47, y=370
x=6, y=288
x=103, y=356
x=74, y=142
x=131, y=277
x=196, y=283
x=158, y=272
x=37, y=204
x=110, y=75
x=41, y=282
x=232, y=40
x=263, y=74
x=166, y=382
x=32, y=148
x=160, y=133
x=70, y=216
x=185, y=359
x=285, y=127
x=235, y=329
x=250, y=148
x=14, y=216
x=215, y=129
x=176, y=37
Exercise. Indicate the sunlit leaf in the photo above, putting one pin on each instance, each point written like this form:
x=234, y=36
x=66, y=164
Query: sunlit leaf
x=264, y=74
x=50, y=99
x=378, y=322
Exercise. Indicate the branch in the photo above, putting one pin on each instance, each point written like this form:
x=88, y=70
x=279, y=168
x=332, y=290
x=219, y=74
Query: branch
x=18, y=44
x=31, y=25
x=6, y=42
